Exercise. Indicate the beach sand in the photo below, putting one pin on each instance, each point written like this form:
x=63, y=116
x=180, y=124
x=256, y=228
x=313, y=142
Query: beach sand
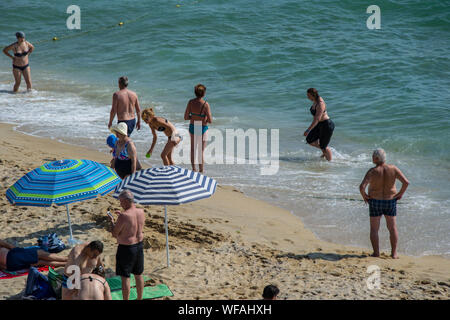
x=229, y=246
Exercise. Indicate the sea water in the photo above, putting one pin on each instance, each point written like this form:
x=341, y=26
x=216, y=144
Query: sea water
x=384, y=88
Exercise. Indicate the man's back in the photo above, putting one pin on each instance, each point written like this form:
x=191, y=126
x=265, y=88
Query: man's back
x=125, y=102
x=132, y=226
x=382, y=182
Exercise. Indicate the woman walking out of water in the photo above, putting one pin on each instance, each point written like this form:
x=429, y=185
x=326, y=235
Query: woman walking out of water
x=22, y=49
x=162, y=125
x=321, y=129
x=198, y=111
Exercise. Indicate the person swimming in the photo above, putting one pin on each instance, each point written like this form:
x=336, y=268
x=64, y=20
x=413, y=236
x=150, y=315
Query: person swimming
x=198, y=111
x=22, y=50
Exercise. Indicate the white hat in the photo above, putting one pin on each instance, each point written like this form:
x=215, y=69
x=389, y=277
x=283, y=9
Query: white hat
x=121, y=128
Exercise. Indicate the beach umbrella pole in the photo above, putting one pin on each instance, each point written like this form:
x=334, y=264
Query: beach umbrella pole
x=71, y=241
x=167, y=235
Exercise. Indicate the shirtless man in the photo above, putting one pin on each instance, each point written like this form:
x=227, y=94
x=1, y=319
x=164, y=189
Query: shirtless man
x=93, y=287
x=125, y=103
x=14, y=258
x=382, y=198
x=87, y=257
x=128, y=230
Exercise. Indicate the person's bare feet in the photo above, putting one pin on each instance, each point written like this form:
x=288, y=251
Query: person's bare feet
x=394, y=256
x=375, y=255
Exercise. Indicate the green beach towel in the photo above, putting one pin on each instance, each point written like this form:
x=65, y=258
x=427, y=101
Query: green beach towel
x=158, y=291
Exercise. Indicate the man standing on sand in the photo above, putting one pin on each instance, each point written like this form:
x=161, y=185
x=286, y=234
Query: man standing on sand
x=128, y=230
x=382, y=199
x=125, y=104
x=87, y=257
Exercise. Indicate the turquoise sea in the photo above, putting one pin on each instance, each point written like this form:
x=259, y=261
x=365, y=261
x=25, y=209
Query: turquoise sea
x=384, y=88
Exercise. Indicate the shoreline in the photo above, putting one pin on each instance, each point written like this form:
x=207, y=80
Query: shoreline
x=364, y=248
x=230, y=238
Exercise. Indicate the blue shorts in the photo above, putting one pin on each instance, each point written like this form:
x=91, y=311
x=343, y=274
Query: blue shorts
x=130, y=125
x=380, y=207
x=21, y=258
x=192, y=129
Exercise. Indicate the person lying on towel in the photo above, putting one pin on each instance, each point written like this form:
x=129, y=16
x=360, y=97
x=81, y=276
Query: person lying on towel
x=14, y=258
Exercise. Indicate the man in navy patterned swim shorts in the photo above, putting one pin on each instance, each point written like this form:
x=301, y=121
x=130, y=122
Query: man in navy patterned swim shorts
x=382, y=198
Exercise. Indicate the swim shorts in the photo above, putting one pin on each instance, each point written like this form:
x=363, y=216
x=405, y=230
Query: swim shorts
x=130, y=259
x=21, y=258
x=130, y=125
x=322, y=132
x=380, y=207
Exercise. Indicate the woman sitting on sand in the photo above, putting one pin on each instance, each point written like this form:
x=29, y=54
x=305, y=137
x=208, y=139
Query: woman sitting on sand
x=22, y=49
x=198, y=110
x=163, y=125
x=124, y=153
x=321, y=129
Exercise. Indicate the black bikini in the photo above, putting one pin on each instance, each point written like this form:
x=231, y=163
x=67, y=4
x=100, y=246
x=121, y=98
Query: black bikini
x=90, y=278
x=19, y=55
x=162, y=128
x=21, y=68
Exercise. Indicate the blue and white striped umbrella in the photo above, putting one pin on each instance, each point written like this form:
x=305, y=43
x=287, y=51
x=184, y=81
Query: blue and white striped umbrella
x=63, y=182
x=169, y=185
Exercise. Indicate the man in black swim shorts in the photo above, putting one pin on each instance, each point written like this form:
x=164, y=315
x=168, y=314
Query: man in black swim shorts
x=128, y=230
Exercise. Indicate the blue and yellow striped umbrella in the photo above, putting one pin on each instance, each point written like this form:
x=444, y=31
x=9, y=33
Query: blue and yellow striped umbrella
x=63, y=182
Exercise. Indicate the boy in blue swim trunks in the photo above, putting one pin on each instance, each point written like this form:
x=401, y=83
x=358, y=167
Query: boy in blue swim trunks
x=14, y=258
x=382, y=199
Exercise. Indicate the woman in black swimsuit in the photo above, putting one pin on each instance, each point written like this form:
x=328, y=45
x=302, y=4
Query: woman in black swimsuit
x=321, y=129
x=163, y=125
x=22, y=49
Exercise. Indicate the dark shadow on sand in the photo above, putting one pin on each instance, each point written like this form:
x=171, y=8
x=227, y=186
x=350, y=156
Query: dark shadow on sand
x=61, y=230
x=322, y=256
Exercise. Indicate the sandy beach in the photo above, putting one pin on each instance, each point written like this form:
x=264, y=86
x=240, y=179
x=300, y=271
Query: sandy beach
x=227, y=247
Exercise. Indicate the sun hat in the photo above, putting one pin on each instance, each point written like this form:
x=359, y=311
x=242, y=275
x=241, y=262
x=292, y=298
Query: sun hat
x=121, y=128
x=111, y=140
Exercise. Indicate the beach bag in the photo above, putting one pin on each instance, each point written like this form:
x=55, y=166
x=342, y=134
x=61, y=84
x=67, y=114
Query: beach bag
x=51, y=243
x=38, y=286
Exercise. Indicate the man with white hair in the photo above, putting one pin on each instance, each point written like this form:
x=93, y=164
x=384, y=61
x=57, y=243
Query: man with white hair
x=382, y=198
x=128, y=230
